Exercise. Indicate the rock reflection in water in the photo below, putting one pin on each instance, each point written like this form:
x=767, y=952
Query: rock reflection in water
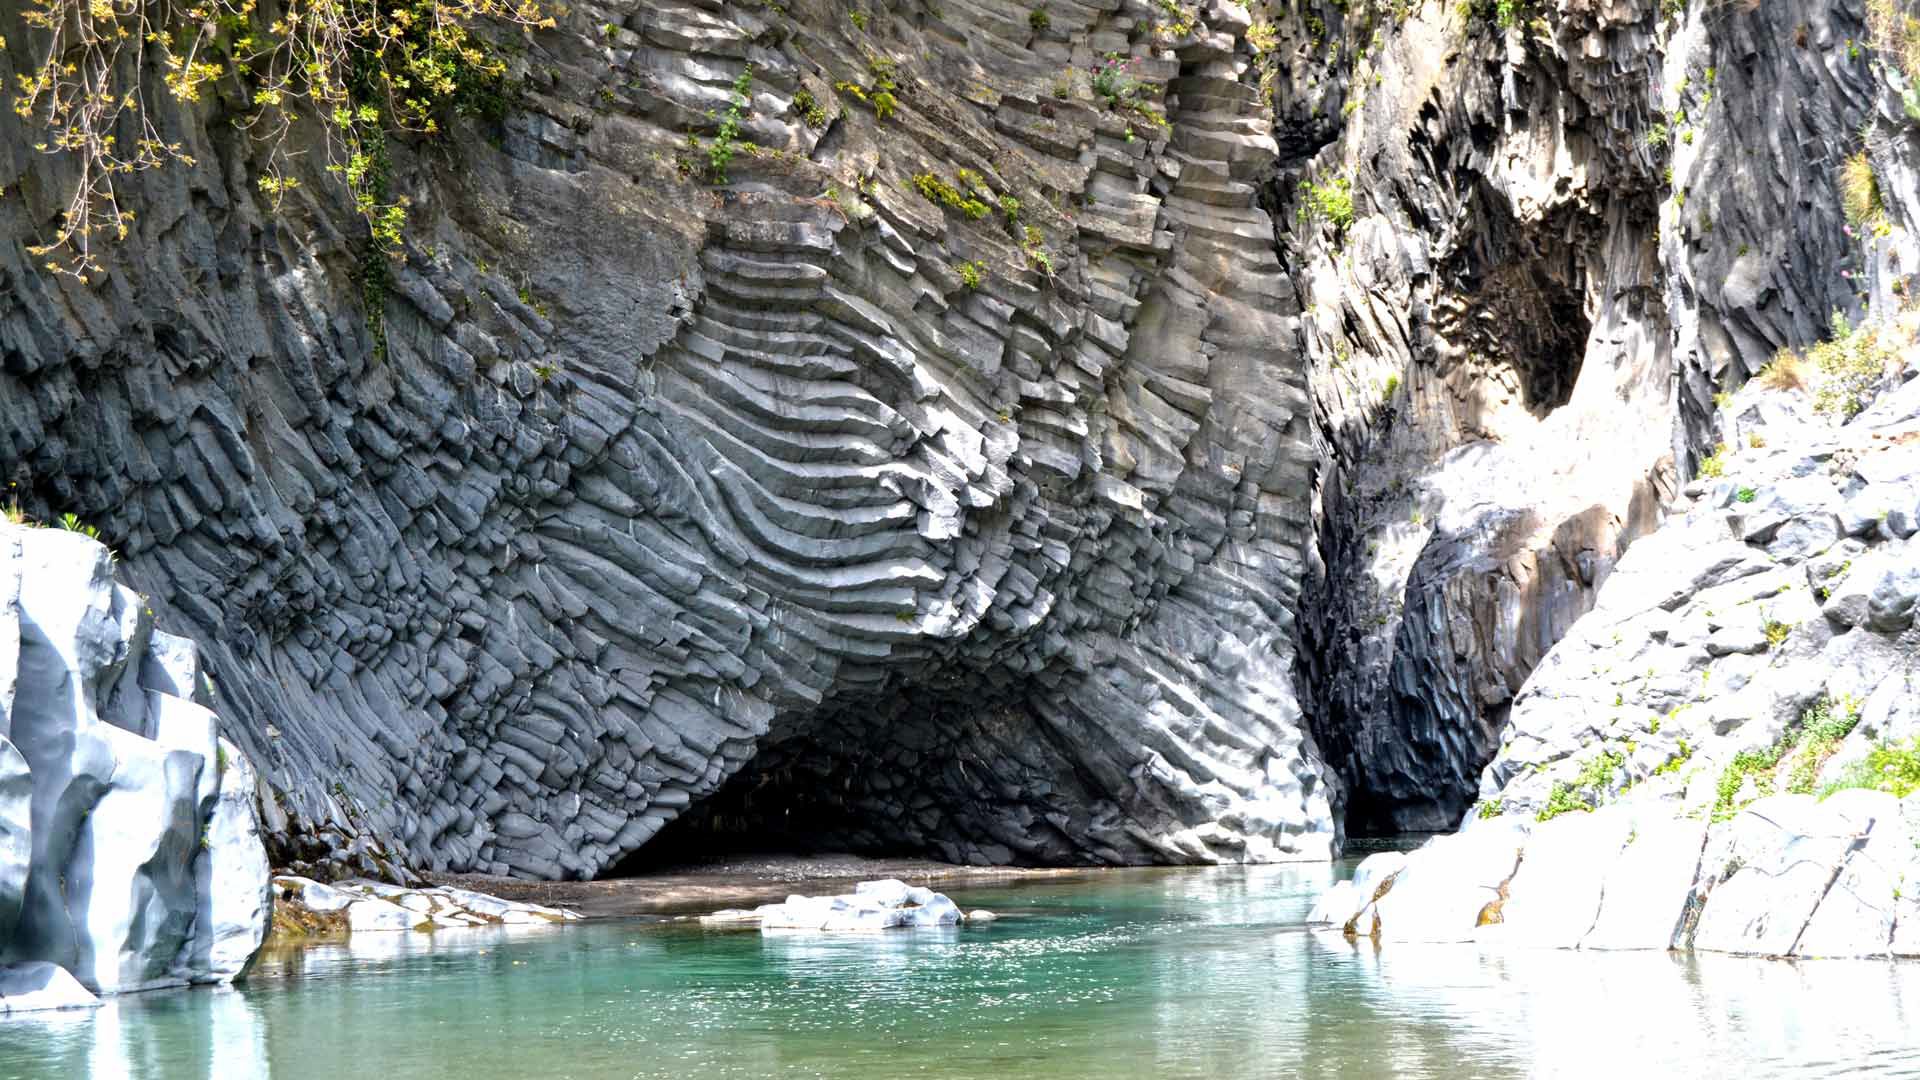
x=1156, y=973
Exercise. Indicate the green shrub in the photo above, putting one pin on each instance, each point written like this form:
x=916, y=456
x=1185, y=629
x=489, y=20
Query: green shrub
x=1588, y=788
x=971, y=273
x=1853, y=364
x=1039, y=20
x=1331, y=202
x=1810, y=741
x=94, y=72
x=720, y=152
x=1714, y=465
x=1890, y=767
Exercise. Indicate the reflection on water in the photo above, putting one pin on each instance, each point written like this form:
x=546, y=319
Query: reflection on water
x=1196, y=973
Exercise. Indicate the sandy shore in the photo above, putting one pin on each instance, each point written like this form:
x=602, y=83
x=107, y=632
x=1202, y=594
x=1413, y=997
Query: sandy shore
x=735, y=881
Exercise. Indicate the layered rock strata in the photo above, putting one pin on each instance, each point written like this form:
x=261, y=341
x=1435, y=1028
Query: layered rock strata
x=130, y=856
x=949, y=455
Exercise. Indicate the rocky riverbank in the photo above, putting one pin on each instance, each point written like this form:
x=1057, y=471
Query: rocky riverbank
x=1724, y=754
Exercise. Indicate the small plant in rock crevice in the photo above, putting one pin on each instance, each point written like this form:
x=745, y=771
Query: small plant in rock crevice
x=1714, y=465
x=720, y=152
x=936, y=190
x=1589, y=786
x=809, y=109
x=1330, y=201
x=1788, y=371
x=1860, y=196
x=1807, y=743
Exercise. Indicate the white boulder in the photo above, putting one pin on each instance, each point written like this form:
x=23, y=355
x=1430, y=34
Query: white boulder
x=872, y=905
x=129, y=854
x=38, y=986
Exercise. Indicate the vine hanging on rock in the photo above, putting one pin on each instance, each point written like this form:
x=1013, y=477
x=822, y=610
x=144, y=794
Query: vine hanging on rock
x=356, y=64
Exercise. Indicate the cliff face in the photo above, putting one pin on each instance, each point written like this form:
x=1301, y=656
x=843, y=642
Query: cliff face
x=990, y=463
x=1570, y=235
x=814, y=478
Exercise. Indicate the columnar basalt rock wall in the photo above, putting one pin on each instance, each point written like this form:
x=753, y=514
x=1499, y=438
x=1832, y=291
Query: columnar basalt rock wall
x=639, y=475
x=1570, y=235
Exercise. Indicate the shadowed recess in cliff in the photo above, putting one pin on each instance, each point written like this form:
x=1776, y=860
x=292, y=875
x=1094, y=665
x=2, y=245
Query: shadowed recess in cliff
x=1518, y=312
x=964, y=781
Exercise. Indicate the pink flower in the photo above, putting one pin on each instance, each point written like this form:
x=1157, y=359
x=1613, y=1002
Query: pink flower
x=1846, y=273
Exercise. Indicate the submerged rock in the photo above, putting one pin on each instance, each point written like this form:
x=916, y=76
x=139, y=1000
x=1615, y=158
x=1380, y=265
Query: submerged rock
x=130, y=856
x=887, y=904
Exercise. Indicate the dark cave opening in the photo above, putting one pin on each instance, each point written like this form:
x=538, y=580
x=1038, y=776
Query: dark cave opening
x=969, y=782
x=991, y=779
x=802, y=804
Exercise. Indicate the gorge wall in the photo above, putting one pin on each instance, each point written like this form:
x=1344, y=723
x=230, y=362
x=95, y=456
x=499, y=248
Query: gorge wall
x=1569, y=236
x=1005, y=469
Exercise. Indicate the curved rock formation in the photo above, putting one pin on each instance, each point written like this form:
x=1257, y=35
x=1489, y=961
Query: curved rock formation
x=756, y=479
x=129, y=850
x=983, y=450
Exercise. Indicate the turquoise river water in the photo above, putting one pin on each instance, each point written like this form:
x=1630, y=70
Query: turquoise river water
x=1109, y=976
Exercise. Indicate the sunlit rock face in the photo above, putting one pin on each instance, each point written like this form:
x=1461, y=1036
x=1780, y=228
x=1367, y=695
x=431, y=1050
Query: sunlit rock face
x=130, y=856
x=640, y=481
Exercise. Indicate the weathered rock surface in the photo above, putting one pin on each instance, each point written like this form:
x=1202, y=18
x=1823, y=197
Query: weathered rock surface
x=641, y=482
x=872, y=905
x=129, y=854
x=1712, y=756
x=1787, y=876
x=305, y=907
x=1767, y=604
x=1567, y=238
